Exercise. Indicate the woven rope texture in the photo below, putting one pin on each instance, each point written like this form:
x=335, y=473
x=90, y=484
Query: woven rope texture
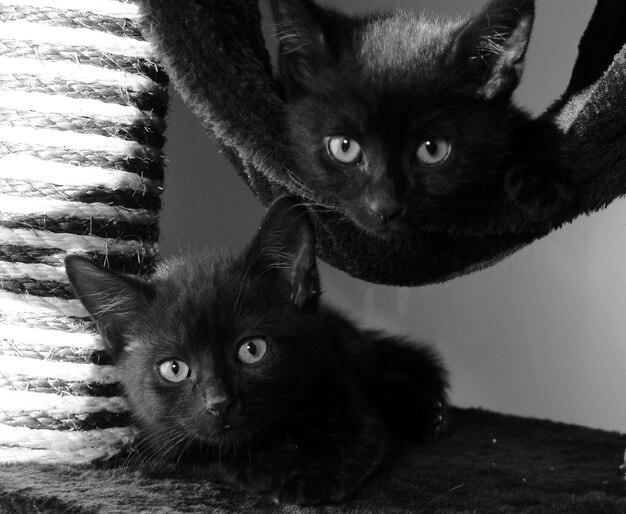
x=82, y=106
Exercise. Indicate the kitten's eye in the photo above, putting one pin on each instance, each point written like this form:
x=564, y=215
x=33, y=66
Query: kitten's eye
x=433, y=152
x=344, y=149
x=252, y=350
x=174, y=370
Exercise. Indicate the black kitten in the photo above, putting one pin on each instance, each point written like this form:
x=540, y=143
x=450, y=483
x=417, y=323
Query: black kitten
x=234, y=361
x=401, y=121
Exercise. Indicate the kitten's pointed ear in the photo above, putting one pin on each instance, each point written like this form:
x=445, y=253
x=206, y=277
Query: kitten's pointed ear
x=302, y=43
x=493, y=46
x=284, y=249
x=113, y=300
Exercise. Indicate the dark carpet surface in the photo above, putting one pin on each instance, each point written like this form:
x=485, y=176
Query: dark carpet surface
x=487, y=462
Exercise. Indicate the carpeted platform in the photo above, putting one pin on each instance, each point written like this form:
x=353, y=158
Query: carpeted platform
x=487, y=463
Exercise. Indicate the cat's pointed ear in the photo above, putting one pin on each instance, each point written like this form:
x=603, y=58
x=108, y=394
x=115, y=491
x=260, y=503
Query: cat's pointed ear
x=113, y=300
x=493, y=46
x=302, y=43
x=284, y=249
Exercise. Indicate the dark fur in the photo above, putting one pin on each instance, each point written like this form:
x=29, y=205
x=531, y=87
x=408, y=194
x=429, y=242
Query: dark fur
x=306, y=423
x=391, y=81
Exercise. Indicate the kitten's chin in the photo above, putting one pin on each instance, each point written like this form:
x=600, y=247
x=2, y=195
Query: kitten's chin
x=225, y=437
x=391, y=231
x=376, y=225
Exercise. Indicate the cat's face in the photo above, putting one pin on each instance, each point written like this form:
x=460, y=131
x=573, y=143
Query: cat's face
x=397, y=120
x=213, y=349
x=216, y=356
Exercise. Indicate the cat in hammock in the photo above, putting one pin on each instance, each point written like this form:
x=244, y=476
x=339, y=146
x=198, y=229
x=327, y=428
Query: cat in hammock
x=232, y=362
x=401, y=121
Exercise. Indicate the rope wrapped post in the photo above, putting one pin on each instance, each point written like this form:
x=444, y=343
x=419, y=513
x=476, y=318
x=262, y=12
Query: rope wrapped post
x=82, y=106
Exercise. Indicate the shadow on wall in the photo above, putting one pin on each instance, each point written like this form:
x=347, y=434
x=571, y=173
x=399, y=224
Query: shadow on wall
x=206, y=203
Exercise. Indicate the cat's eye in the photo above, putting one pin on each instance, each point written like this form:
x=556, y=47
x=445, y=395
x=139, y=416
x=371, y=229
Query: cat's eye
x=174, y=370
x=433, y=152
x=252, y=350
x=344, y=149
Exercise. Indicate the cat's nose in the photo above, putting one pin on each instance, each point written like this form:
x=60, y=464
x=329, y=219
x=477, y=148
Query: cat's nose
x=387, y=212
x=220, y=407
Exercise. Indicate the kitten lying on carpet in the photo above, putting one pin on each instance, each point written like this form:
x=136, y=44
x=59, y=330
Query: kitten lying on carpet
x=233, y=360
x=401, y=121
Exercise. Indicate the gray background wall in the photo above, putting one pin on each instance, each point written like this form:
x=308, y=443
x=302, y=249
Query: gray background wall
x=540, y=334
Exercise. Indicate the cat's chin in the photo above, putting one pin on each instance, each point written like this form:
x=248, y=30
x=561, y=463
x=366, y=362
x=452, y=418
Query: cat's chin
x=383, y=231
x=367, y=221
x=225, y=438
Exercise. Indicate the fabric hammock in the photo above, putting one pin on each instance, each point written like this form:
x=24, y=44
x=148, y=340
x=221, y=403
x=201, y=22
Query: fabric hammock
x=217, y=59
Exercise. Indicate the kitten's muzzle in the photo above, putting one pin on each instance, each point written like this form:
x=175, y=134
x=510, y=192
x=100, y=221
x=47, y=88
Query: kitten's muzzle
x=385, y=210
x=386, y=216
x=221, y=408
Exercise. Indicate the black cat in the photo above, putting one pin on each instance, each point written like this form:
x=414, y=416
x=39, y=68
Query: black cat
x=232, y=361
x=401, y=121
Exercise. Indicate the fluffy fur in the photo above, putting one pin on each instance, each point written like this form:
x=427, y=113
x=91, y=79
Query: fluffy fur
x=306, y=421
x=399, y=86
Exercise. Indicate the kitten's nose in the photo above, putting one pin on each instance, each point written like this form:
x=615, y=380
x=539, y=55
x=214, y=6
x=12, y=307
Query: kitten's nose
x=220, y=407
x=386, y=212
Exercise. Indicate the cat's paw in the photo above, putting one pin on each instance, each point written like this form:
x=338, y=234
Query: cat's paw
x=282, y=474
x=540, y=193
x=265, y=472
x=302, y=486
x=299, y=485
x=437, y=419
x=415, y=414
x=428, y=420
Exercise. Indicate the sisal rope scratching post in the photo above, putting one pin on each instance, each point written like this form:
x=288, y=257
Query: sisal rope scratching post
x=82, y=106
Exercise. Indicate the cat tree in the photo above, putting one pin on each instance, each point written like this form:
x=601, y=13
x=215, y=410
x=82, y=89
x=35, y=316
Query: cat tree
x=82, y=106
x=82, y=103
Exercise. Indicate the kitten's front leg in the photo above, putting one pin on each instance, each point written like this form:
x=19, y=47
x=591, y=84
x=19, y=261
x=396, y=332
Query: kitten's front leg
x=541, y=183
x=540, y=191
x=295, y=480
x=407, y=383
x=324, y=469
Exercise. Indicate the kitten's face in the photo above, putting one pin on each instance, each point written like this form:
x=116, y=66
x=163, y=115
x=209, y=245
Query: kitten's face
x=213, y=356
x=390, y=118
x=215, y=350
